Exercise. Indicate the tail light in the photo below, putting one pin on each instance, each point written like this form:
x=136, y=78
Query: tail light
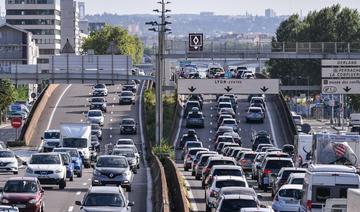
x=243, y=161
x=213, y=194
x=309, y=205
x=267, y=171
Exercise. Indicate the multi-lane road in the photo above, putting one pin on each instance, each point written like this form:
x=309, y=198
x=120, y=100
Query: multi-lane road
x=196, y=192
x=69, y=103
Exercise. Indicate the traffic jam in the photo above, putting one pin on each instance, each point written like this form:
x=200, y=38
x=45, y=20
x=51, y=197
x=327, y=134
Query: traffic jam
x=68, y=151
x=314, y=174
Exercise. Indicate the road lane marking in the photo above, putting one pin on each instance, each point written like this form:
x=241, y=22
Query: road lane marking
x=71, y=208
x=113, y=105
x=112, y=112
x=111, y=128
x=78, y=193
x=114, y=98
x=81, y=120
x=149, y=207
x=110, y=136
x=211, y=108
x=211, y=115
x=211, y=123
x=56, y=105
x=84, y=184
x=211, y=131
x=191, y=196
x=111, y=120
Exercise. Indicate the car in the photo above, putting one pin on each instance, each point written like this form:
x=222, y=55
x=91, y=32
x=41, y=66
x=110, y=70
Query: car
x=223, y=170
x=94, y=148
x=297, y=119
x=49, y=168
x=195, y=119
x=190, y=136
x=75, y=159
x=223, y=129
x=69, y=167
x=258, y=99
x=236, y=191
x=202, y=162
x=8, y=162
x=235, y=136
x=258, y=104
x=50, y=140
x=129, y=87
x=95, y=116
x=256, y=209
x=288, y=198
x=128, y=126
x=130, y=156
x=98, y=103
x=288, y=148
x=282, y=177
x=213, y=161
x=258, y=148
x=226, y=146
x=189, y=106
x=96, y=130
x=133, y=148
x=222, y=105
x=229, y=152
x=255, y=114
x=105, y=198
x=227, y=111
x=126, y=97
x=100, y=90
x=197, y=158
x=188, y=145
x=296, y=178
x=25, y=193
x=271, y=166
x=248, y=76
x=235, y=151
x=190, y=156
x=112, y=169
x=212, y=190
x=246, y=161
x=230, y=123
x=197, y=98
x=261, y=137
x=222, y=117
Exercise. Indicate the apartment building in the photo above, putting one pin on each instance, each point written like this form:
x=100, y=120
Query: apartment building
x=70, y=24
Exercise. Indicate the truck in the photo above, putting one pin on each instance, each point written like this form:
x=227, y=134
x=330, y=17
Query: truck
x=329, y=148
x=77, y=135
x=353, y=196
x=303, y=145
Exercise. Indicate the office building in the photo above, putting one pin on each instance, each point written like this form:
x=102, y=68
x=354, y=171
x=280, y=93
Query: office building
x=42, y=19
x=70, y=24
x=270, y=13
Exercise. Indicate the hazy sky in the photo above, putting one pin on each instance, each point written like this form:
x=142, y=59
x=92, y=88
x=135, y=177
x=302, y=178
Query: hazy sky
x=231, y=7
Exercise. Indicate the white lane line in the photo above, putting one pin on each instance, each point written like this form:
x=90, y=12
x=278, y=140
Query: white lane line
x=211, y=123
x=78, y=193
x=111, y=120
x=113, y=105
x=81, y=120
x=110, y=136
x=191, y=196
x=84, y=184
x=271, y=126
x=89, y=179
x=210, y=131
x=112, y=112
x=149, y=207
x=114, y=98
x=56, y=105
x=110, y=128
x=71, y=208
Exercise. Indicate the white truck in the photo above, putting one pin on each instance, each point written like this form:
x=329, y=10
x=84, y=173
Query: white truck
x=77, y=135
x=303, y=145
x=353, y=203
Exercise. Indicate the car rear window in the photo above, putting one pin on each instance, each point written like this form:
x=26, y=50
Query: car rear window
x=193, y=145
x=253, y=110
x=195, y=115
x=237, y=204
x=249, y=156
x=227, y=172
x=230, y=183
x=298, y=181
x=229, y=122
x=221, y=162
x=193, y=151
x=291, y=193
x=278, y=164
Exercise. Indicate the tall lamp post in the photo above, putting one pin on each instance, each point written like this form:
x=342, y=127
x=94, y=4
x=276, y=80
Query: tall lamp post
x=160, y=64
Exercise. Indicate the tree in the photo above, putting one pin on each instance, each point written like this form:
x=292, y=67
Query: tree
x=7, y=95
x=127, y=44
x=331, y=24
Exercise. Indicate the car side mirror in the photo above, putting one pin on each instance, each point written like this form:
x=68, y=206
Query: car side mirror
x=24, y=163
x=42, y=138
x=260, y=196
x=78, y=203
x=131, y=204
x=93, y=166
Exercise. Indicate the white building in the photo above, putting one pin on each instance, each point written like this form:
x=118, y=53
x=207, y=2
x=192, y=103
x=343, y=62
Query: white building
x=70, y=24
x=42, y=19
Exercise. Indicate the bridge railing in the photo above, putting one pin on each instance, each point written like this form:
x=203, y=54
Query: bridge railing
x=176, y=47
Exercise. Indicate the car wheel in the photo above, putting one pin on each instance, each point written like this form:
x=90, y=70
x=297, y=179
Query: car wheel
x=87, y=165
x=138, y=166
x=192, y=173
x=79, y=174
x=128, y=189
x=62, y=184
x=72, y=178
x=197, y=178
x=16, y=172
x=186, y=169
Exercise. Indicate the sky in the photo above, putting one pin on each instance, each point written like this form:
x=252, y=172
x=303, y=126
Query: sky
x=219, y=7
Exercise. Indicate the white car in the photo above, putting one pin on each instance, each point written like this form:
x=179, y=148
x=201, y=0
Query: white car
x=288, y=198
x=296, y=178
x=8, y=162
x=95, y=116
x=236, y=202
x=51, y=140
x=126, y=97
x=100, y=90
x=49, y=168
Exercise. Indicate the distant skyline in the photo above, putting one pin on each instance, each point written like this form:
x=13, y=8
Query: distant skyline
x=219, y=7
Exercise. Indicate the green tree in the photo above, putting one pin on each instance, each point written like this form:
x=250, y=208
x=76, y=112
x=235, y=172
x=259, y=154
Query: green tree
x=7, y=95
x=127, y=44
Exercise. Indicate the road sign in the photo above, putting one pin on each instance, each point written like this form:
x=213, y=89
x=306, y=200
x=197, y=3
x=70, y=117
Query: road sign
x=16, y=122
x=342, y=63
x=340, y=72
x=15, y=107
x=228, y=86
x=196, y=41
x=341, y=86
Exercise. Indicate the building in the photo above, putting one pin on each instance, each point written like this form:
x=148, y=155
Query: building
x=82, y=14
x=42, y=19
x=70, y=24
x=16, y=46
x=96, y=26
x=270, y=13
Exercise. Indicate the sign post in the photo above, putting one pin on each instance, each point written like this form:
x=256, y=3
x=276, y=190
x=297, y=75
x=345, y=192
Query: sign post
x=16, y=122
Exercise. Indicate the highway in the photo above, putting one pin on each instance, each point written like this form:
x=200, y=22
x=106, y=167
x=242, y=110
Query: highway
x=69, y=104
x=207, y=134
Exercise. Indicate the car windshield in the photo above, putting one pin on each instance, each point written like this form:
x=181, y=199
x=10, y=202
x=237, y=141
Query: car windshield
x=254, y=110
x=95, y=127
x=51, y=135
x=231, y=205
x=124, y=142
x=128, y=122
x=227, y=172
x=94, y=113
x=101, y=199
x=195, y=115
x=194, y=144
x=99, y=86
x=45, y=159
x=297, y=181
x=126, y=94
x=113, y=162
x=221, y=162
x=6, y=154
x=20, y=186
x=249, y=156
x=97, y=100
x=230, y=183
x=229, y=122
x=125, y=152
x=290, y=193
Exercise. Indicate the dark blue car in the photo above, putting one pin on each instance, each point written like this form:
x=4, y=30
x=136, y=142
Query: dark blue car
x=75, y=159
x=69, y=167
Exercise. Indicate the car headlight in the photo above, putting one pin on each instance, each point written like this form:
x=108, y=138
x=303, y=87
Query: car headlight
x=96, y=172
x=58, y=171
x=29, y=171
x=5, y=201
x=32, y=201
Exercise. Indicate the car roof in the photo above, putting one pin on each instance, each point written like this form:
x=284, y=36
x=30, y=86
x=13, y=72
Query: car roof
x=229, y=119
x=47, y=153
x=331, y=168
x=239, y=196
x=219, y=157
x=297, y=175
x=236, y=178
x=94, y=111
x=277, y=158
x=293, y=169
x=111, y=156
x=53, y=130
x=125, y=139
x=128, y=119
x=291, y=186
x=237, y=188
x=104, y=189
x=226, y=167
x=255, y=108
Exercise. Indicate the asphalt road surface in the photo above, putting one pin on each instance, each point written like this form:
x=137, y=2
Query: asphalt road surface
x=207, y=134
x=69, y=104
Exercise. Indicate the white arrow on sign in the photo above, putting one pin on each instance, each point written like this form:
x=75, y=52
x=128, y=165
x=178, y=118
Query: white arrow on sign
x=228, y=86
x=341, y=86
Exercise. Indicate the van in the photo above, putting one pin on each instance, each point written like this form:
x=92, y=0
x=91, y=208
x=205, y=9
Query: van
x=354, y=119
x=323, y=182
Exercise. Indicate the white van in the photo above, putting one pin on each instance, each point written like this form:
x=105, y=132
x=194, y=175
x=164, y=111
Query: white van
x=354, y=119
x=323, y=182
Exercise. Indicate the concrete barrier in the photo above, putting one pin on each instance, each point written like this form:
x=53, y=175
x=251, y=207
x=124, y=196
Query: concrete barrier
x=36, y=113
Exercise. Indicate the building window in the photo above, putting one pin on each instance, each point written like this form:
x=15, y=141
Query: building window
x=42, y=61
x=46, y=51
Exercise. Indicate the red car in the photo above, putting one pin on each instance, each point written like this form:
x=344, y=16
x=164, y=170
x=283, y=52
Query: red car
x=24, y=193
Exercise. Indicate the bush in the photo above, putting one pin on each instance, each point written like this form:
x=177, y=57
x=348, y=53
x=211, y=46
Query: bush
x=164, y=150
x=15, y=143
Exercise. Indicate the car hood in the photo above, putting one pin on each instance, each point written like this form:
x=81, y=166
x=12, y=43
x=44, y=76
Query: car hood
x=111, y=170
x=7, y=160
x=95, y=117
x=18, y=196
x=44, y=166
x=103, y=209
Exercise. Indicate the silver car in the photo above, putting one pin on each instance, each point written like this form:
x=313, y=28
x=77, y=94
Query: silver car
x=255, y=114
x=96, y=117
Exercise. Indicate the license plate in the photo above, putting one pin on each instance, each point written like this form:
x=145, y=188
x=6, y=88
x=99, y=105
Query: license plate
x=43, y=176
x=20, y=206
